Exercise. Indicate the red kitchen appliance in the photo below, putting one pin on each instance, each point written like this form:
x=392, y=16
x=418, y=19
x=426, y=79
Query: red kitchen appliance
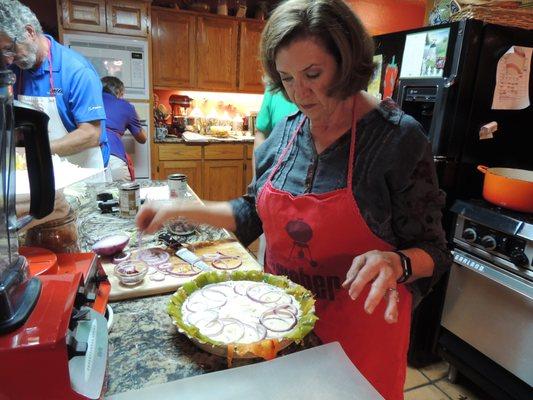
x=52, y=344
x=180, y=115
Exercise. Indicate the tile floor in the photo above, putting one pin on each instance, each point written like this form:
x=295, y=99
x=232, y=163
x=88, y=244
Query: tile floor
x=431, y=382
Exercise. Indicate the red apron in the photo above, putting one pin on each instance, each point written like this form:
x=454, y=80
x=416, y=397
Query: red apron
x=129, y=163
x=312, y=239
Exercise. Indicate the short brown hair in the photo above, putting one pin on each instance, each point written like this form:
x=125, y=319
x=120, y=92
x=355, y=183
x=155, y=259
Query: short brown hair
x=332, y=23
x=112, y=85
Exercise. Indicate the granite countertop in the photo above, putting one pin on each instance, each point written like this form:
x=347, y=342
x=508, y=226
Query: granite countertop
x=145, y=348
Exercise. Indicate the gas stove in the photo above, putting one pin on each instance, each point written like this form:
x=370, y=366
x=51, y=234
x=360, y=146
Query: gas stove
x=499, y=236
x=487, y=319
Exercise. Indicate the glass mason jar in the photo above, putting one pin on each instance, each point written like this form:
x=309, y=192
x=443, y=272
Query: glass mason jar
x=59, y=235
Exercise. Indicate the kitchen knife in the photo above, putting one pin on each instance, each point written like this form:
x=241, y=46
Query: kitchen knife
x=191, y=258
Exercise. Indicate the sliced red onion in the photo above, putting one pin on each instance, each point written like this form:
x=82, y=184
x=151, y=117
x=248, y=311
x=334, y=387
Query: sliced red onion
x=286, y=307
x=131, y=268
x=153, y=256
x=212, y=328
x=122, y=256
x=223, y=264
x=240, y=288
x=158, y=277
x=110, y=245
x=261, y=297
x=196, y=306
x=192, y=272
x=151, y=270
x=269, y=319
x=214, y=295
x=229, y=322
x=225, y=288
x=164, y=267
x=210, y=257
x=256, y=332
x=202, y=317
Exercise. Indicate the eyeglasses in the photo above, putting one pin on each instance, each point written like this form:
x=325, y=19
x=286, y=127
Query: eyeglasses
x=11, y=51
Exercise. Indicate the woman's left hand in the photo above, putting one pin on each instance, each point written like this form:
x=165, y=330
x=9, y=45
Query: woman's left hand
x=382, y=269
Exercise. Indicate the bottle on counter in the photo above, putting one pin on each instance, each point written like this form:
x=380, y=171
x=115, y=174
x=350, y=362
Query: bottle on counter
x=129, y=199
x=177, y=185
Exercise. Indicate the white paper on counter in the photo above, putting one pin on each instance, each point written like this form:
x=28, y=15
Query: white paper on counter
x=63, y=177
x=323, y=372
x=512, y=79
x=155, y=193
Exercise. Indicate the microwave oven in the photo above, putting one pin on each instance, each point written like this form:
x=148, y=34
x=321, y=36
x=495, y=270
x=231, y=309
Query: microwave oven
x=111, y=55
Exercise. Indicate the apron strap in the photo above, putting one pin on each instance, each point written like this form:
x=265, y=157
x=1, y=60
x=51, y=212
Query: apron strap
x=349, y=183
x=286, y=149
x=351, y=159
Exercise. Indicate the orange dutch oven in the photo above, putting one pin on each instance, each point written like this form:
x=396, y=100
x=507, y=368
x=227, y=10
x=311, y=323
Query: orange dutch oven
x=508, y=187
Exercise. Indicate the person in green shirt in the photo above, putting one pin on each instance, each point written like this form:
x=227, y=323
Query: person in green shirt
x=274, y=108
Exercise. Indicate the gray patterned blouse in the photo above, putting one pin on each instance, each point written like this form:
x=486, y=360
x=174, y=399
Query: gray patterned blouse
x=394, y=181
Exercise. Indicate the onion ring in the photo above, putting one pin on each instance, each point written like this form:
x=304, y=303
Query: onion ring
x=122, y=256
x=233, y=321
x=216, y=325
x=259, y=299
x=157, y=277
x=153, y=256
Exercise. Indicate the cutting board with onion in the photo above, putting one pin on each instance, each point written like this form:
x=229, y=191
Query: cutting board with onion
x=171, y=283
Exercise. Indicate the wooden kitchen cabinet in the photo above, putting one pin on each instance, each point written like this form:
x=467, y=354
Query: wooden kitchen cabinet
x=214, y=171
x=85, y=15
x=179, y=151
x=124, y=17
x=250, y=71
x=216, y=44
x=223, y=179
x=205, y=52
x=173, y=49
x=193, y=170
x=127, y=17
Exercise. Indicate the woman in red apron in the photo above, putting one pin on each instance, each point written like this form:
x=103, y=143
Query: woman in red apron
x=377, y=348
x=321, y=238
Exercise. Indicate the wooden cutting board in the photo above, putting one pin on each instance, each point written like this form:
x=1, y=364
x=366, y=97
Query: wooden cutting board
x=149, y=287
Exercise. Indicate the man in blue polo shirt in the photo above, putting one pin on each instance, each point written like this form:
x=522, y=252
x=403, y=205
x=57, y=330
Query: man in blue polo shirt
x=60, y=82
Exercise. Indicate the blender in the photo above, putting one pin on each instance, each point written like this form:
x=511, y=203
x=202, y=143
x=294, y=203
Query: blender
x=46, y=326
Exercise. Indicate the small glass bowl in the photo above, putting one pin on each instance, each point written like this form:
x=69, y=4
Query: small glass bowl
x=181, y=227
x=131, y=272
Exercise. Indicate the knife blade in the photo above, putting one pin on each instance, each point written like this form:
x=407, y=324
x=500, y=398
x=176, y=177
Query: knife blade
x=188, y=256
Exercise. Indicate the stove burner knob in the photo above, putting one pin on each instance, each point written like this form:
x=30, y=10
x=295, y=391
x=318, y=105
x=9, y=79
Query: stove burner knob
x=519, y=258
x=470, y=234
x=488, y=242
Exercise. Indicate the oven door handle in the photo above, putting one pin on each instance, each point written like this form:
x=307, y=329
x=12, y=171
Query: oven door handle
x=511, y=281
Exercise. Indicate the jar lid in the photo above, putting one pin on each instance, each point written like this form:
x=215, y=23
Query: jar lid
x=130, y=186
x=177, y=177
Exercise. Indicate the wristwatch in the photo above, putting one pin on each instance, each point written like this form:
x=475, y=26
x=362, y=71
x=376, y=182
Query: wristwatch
x=406, y=266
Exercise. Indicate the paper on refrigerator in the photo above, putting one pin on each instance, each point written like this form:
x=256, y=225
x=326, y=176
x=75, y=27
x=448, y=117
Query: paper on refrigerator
x=512, y=79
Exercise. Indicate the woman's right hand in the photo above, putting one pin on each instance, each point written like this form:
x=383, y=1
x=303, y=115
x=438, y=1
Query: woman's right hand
x=153, y=215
